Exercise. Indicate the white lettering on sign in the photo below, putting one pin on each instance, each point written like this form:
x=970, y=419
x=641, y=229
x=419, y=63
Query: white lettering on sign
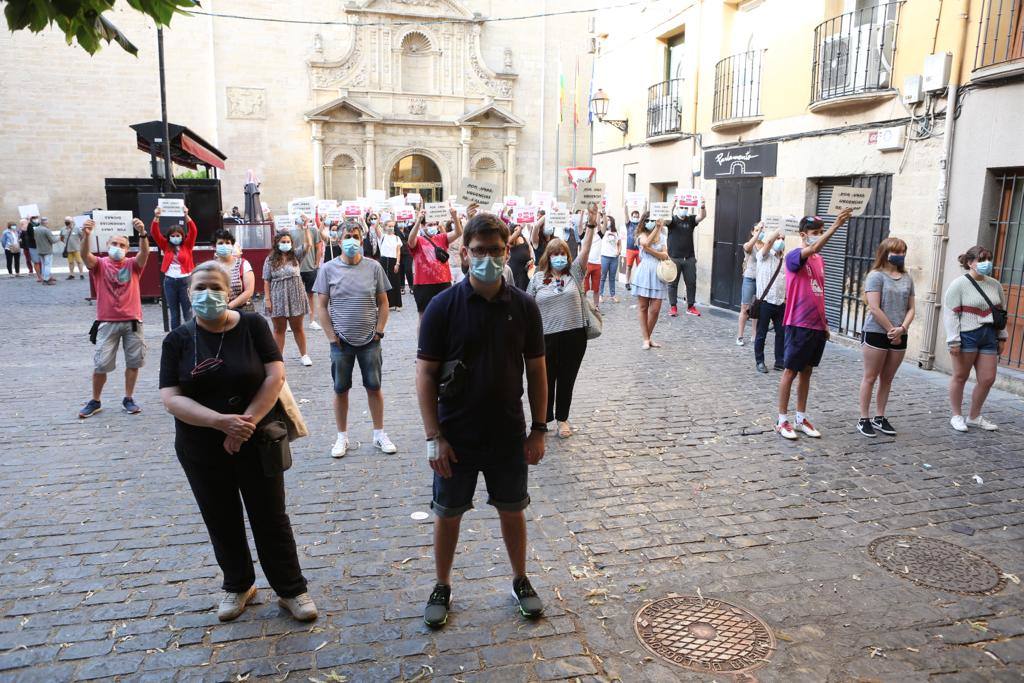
x=525, y=214
x=728, y=157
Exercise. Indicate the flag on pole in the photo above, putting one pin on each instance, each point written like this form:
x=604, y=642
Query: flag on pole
x=561, y=93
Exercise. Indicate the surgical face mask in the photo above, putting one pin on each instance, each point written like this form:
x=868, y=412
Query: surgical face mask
x=284, y=246
x=559, y=262
x=431, y=230
x=634, y=218
x=810, y=240
x=350, y=246
x=225, y=250
x=209, y=304
x=983, y=268
x=779, y=245
x=334, y=234
x=760, y=236
x=549, y=230
x=679, y=213
x=486, y=269
x=116, y=253
x=174, y=239
x=649, y=225
x=897, y=259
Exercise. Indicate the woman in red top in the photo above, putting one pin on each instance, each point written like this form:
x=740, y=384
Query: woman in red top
x=176, y=265
x=431, y=273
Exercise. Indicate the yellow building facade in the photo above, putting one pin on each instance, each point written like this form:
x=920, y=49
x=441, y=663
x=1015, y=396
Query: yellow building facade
x=766, y=106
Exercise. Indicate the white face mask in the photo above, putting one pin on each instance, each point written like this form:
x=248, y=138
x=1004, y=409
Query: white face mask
x=810, y=240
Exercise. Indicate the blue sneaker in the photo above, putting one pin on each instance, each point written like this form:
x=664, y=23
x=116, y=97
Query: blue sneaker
x=90, y=409
x=130, y=406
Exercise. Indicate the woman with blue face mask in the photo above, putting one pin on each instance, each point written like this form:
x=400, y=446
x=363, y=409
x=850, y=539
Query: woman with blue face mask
x=176, y=264
x=243, y=280
x=557, y=286
x=284, y=295
x=648, y=289
x=974, y=342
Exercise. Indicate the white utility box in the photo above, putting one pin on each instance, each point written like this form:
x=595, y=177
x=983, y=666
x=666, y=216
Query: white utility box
x=891, y=139
x=936, y=71
x=913, y=89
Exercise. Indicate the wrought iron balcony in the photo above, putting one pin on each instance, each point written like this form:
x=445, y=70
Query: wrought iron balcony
x=1000, y=33
x=664, y=111
x=738, y=87
x=854, y=53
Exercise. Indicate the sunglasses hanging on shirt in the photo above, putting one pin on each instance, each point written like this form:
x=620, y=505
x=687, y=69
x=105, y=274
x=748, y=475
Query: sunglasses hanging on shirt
x=209, y=364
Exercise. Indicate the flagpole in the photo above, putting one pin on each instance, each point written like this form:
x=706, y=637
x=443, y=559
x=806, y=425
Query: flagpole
x=575, y=102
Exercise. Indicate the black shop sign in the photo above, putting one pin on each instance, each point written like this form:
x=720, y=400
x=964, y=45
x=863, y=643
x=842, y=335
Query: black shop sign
x=751, y=161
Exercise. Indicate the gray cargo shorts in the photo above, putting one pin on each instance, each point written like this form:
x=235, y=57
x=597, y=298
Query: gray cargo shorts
x=109, y=335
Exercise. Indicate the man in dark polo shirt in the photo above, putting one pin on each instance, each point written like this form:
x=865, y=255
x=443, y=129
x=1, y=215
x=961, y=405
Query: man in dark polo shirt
x=475, y=340
x=681, y=251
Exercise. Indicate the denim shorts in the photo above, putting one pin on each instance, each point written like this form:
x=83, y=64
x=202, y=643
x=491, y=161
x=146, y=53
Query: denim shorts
x=343, y=360
x=749, y=291
x=505, y=474
x=982, y=340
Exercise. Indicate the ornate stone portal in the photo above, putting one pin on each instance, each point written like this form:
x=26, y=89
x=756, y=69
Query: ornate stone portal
x=412, y=80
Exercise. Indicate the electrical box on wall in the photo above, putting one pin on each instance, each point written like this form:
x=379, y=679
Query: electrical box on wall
x=891, y=139
x=936, y=71
x=913, y=89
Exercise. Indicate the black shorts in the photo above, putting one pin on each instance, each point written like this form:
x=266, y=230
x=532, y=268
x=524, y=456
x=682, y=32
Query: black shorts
x=505, y=474
x=308, y=279
x=880, y=340
x=804, y=348
x=424, y=294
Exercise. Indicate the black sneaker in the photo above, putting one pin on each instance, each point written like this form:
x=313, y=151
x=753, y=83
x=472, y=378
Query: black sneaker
x=629, y=288
x=881, y=424
x=865, y=428
x=90, y=409
x=530, y=605
x=436, y=614
x=761, y=367
x=779, y=366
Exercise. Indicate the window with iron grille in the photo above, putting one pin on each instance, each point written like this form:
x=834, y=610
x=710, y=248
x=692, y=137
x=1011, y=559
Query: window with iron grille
x=849, y=254
x=854, y=52
x=1000, y=33
x=1008, y=227
x=738, y=86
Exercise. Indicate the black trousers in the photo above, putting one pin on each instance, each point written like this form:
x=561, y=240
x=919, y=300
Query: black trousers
x=217, y=482
x=686, y=268
x=563, y=353
x=405, y=269
x=770, y=314
x=395, y=293
x=13, y=259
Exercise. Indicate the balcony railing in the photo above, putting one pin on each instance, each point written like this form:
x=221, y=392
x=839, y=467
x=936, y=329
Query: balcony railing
x=854, y=52
x=1001, y=33
x=664, y=114
x=738, y=86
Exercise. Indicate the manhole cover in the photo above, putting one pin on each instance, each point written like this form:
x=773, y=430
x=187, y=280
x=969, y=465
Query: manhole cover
x=703, y=634
x=937, y=564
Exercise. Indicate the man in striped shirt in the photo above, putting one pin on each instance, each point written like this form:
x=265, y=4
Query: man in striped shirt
x=352, y=294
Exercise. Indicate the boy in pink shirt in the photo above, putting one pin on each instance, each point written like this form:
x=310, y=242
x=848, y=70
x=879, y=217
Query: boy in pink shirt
x=805, y=323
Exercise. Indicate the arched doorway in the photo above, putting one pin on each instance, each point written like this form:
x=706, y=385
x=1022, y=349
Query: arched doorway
x=417, y=173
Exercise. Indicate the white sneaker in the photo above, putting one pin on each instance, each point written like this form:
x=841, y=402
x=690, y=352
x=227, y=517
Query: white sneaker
x=340, y=447
x=807, y=428
x=300, y=607
x=233, y=604
x=739, y=341
x=958, y=423
x=785, y=430
x=982, y=423
x=307, y=361
x=384, y=443
x=315, y=326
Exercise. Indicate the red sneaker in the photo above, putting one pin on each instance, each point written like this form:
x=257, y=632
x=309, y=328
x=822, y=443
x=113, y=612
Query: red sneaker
x=785, y=430
x=692, y=310
x=673, y=311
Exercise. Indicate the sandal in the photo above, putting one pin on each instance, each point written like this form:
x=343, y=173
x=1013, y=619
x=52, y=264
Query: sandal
x=564, y=430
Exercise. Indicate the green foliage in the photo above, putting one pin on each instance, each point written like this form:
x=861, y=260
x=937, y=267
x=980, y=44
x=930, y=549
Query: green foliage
x=189, y=173
x=83, y=20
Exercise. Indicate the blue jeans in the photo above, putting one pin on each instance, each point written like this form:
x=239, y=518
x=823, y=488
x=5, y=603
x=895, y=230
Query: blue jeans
x=178, y=302
x=46, y=263
x=609, y=271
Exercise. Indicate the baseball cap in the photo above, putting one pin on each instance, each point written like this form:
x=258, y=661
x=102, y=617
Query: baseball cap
x=811, y=223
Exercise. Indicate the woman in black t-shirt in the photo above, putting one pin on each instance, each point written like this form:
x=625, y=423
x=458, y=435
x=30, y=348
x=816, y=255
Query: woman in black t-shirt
x=220, y=376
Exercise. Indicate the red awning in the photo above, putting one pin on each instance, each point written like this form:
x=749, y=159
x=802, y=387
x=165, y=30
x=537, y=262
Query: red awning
x=200, y=152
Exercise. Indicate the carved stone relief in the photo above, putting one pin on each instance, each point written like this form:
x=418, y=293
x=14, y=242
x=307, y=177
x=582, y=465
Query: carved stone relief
x=247, y=103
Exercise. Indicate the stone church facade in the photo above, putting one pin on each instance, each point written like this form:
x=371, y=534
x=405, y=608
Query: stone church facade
x=399, y=95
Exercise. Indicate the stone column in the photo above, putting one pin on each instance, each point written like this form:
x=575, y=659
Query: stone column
x=510, y=163
x=318, y=160
x=467, y=134
x=369, y=158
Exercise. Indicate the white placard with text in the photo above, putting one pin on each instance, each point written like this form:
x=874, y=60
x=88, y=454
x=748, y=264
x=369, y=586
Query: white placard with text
x=854, y=198
x=171, y=207
x=478, y=191
x=661, y=211
x=437, y=212
x=109, y=224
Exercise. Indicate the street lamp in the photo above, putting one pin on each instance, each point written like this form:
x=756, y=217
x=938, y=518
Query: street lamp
x=599, y=104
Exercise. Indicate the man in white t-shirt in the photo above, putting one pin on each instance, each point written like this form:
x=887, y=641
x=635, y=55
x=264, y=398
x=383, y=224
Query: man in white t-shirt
x=773, y=304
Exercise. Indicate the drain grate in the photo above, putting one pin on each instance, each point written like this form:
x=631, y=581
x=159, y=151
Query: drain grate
x=937, y=564
x=704, y=634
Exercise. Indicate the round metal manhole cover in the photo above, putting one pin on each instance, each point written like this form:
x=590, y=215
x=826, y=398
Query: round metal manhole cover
x=937, y=564
x=705, y=635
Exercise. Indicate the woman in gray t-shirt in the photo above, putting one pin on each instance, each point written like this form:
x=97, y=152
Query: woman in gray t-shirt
x=889, y=291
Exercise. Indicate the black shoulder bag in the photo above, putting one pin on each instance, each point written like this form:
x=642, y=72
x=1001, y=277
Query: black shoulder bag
x=754, y=309
x=440, y=254
x=999, y=315
x=455, y=373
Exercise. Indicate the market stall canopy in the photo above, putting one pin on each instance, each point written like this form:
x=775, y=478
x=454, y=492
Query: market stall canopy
x=187, y=148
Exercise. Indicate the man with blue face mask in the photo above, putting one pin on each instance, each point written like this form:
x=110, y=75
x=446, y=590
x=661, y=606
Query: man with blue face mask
x=352, y=295
x=475, y=341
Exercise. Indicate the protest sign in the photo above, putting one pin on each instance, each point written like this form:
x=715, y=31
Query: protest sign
x=541, y=198
x=524, y=214
x=302, y=205
x=351, y=209
x=283, y=223
x=853, y=198
x=513, y=200
x=335, y=215
x=497, y=208
x=28, y=210
x=376, y=195
x=386, y=216
x=589, y=193
x=437, y=212
x=325, y=205
x=171, y=208
x=772, y=223
x=109, y=224
x=80, y=221
x=413, y=198
x=556, y=219
x=265, y=207
x=397, y=200
x=689, y=197
x=791, y=223
x=404, y=213
x=661, y=211
x=478, y=191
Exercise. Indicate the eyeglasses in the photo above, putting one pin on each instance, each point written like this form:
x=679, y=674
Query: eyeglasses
x=493, y=252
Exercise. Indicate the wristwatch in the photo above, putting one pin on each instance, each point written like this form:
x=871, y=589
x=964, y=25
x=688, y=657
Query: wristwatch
x=539, y=427
x=379, y=333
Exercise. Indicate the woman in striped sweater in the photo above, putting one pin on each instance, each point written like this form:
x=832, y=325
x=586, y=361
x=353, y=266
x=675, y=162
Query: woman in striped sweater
x=972, y=339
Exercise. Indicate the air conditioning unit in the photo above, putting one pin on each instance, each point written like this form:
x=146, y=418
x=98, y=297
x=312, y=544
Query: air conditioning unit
x=854, y=61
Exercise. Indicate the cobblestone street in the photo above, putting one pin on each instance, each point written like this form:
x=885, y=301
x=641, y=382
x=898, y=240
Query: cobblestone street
x=674, y=484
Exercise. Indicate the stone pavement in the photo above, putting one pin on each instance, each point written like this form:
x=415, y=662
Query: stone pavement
x=675, y=483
